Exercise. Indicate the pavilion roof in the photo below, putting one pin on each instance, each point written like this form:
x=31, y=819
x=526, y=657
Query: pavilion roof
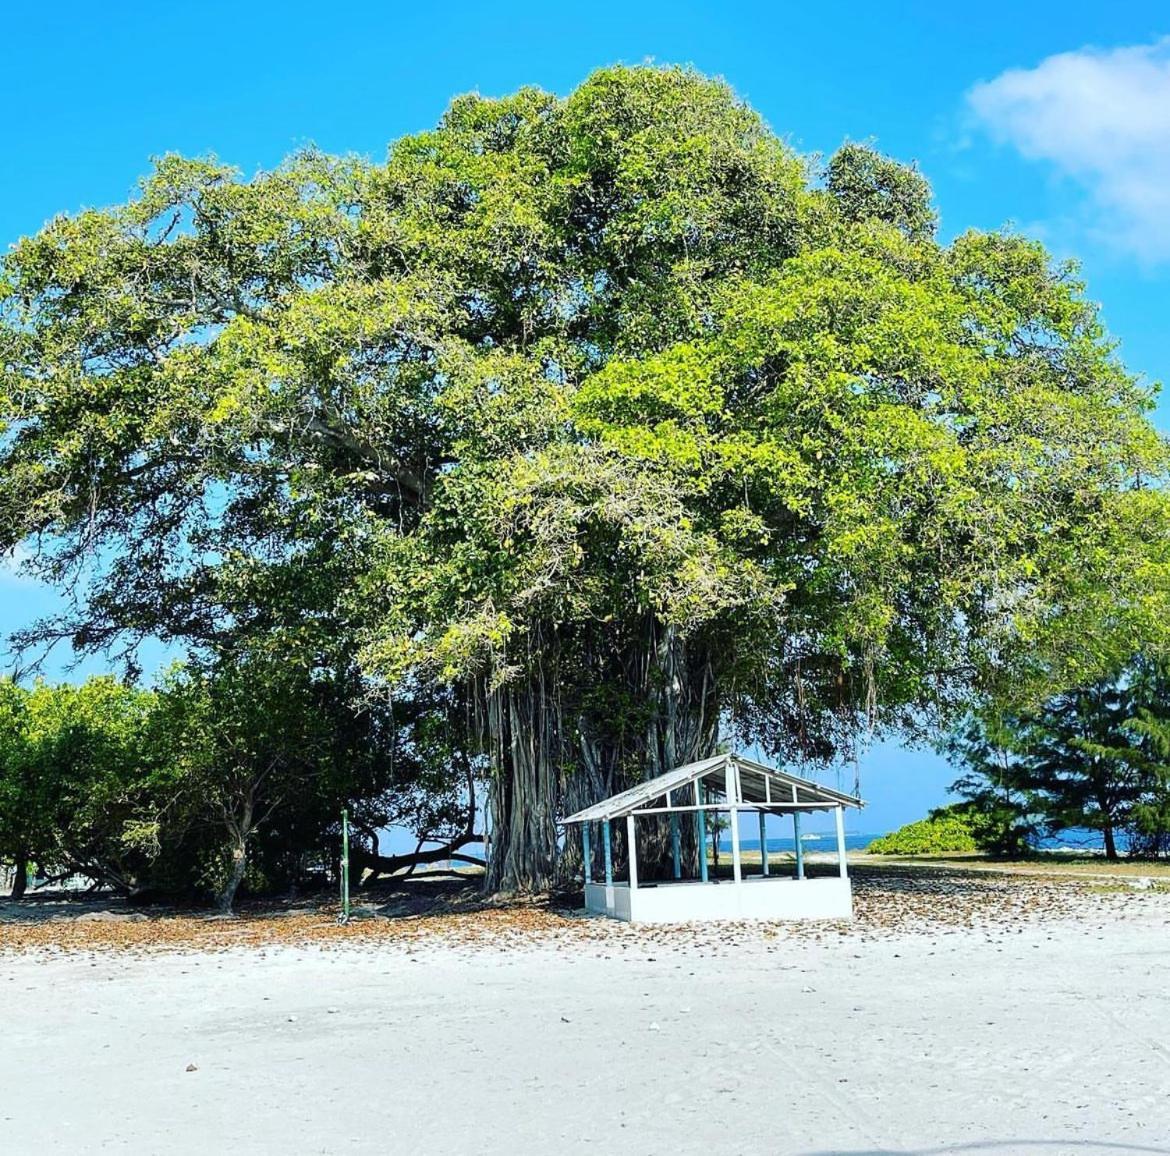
x=760, y=786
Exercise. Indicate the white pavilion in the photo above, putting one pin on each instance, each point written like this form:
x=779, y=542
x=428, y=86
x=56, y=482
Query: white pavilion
x=730, y=784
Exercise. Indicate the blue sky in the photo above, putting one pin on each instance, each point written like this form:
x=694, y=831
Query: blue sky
x=1054, y=116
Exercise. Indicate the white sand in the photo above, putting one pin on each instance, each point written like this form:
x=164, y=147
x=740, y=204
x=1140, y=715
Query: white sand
x=1053, y=1039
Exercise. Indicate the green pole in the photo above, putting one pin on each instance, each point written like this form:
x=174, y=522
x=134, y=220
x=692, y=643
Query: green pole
x=345, y=865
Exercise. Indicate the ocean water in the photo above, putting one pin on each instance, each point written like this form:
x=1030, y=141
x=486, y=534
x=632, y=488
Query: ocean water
x=1079, y=839
x=813, y=841
x=1073, y=840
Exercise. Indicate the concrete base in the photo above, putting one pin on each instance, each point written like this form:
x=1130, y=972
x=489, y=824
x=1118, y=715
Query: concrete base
x=754, y=898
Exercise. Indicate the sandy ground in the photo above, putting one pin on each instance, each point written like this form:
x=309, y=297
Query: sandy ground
x=1003, y=1019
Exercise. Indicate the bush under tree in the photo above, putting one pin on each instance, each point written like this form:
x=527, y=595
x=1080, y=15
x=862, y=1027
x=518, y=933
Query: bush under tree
x=942, y=832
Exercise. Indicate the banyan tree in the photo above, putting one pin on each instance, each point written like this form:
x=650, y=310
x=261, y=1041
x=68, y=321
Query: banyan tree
x=609, y=414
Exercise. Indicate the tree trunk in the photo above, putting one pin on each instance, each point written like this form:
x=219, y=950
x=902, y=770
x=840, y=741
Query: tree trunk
x=227, y=894
x=238, y=835
x=525, y=794
x=541, y=771
x=20, y=875
x=361, y=860
x=1110, y=841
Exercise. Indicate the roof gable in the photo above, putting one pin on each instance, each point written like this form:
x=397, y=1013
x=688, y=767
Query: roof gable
x=758, y=785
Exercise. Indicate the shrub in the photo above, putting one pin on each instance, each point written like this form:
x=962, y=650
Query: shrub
x=941, y=832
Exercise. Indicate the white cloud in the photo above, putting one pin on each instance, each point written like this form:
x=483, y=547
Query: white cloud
x=1102, y=117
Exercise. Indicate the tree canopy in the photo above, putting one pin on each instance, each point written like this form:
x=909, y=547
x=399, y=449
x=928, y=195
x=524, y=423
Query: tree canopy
x=76, y=765
x=234, y=769
x=609, y=422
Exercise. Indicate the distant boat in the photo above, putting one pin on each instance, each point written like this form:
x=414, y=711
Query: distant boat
x=809, y=838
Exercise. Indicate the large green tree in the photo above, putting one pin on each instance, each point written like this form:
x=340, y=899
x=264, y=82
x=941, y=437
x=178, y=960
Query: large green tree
x=1148, y=753
x=18, y=819
x=1091, y=757
x=266, y=753
x=79, y=777
x=610, y=414
x=999, y=804
x=1079, y=764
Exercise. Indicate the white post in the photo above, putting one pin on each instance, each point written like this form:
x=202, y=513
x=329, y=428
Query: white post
x=799, y=844
x=732, y=791
x=736, y=867
x=633, y=852
x=844, y=867
x=764, y=841
x=701, y=830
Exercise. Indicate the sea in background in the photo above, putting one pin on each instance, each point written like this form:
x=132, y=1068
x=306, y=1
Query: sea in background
x=1078, y=839
x=1088, y=842
x=814, y=841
